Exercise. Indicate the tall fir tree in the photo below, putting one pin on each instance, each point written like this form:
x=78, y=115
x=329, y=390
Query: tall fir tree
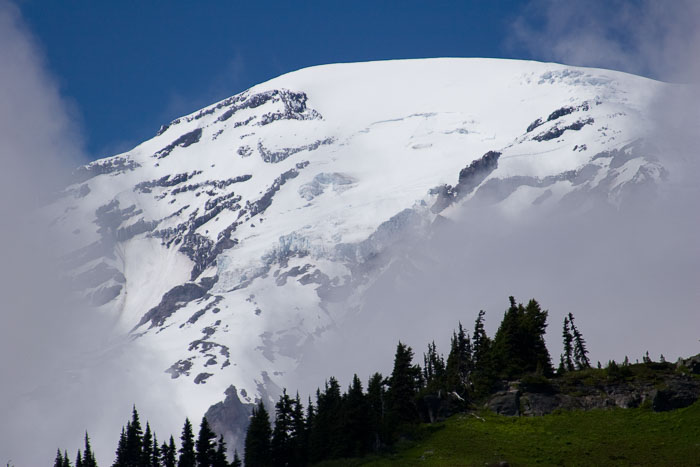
x=459, y=362
x=134, y=441
x=187, y=456
x=205, y=445
x=403, y=387
x=59, y=459
x=89, y=459
x=300, y=438
x=220, y=459
x=146, y=447
x=580, y=351
x=519, y=346
x=326, y=433
x=155, y=453
x=376, y=395
x=534, y=346
x=356, y=420
x=236, y=462
x=120, y=460
x=257, y=440
x=66, y=459
x=169, y=453
x=568, y=339
x=79, y=460
x=282, y=443
x=434, y=368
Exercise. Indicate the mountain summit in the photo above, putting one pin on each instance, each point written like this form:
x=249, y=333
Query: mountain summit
x=243, y=234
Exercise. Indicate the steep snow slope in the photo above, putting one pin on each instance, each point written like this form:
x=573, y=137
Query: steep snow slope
x=241, y=234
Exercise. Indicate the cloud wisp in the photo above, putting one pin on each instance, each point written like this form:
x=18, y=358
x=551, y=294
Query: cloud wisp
x=658, y=39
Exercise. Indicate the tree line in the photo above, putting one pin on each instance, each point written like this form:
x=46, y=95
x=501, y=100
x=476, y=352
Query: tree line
x=355, y=422
x=139, y=448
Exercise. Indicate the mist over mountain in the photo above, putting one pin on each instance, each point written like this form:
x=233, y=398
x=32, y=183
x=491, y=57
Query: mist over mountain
x=302, y=227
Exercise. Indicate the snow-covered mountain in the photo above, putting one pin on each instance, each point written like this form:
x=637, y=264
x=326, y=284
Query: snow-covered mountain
x=243, y=234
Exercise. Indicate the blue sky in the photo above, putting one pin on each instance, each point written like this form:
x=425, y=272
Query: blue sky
x=127, y=67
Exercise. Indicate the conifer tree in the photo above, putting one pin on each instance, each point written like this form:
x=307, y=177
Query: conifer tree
x=236, y=460
x=403, y=387
x=534, y=346
x=59, y=459
x=146, y=447
x=257, y=440
x=508, y=342
x=326, y=437
x=155, y=453
x=580, y=350
x=205, y=445
x=134, y=440
x=88, y=456
x=459, y=362
x=66, y=459
x=187, y=456
x=169, y=453
x=281, y=444
x=120, y=460
x=356, y=420
x=375, y=402
x=300, y=438
x=481, y=342
x=309, y=421
x=434, y=368
x=220, y=454
x=568, y=346
x=79, y=460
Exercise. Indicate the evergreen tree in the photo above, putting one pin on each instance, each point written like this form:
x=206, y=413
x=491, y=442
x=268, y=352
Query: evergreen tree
x=281, y=445
x=459, y=362
x=236, y=460
x=59, y=459
x=519, y=346
x=257, y=440
x=79, y=460
x=375, y=402
x=483, y=374
x=88, y=456
x=309, y=423
x=220, y=454
x=146, y=447
x=326, y=437
x=134, y=441
x=155, y=453
x=481, y=342
x=356, y=420
x=299, y=438
x=434, y=370
x=403, y=387
x=187, y=456
x=206, y=448
x=508, y=342
x=534, y=346
x=169, y=454
x=568, y=346
x=66, y=459
x=580, y=350
x=561, y=369
x=120, y=460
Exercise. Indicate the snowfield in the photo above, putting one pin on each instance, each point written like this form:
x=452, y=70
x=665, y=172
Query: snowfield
x=242, y=235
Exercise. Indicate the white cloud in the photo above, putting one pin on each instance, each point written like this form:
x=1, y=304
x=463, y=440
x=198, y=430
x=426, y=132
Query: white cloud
x=656, y=38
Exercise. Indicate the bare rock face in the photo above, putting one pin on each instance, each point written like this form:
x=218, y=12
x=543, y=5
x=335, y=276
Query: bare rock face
x=672, y=392
x=230, y=419
x=505, y=403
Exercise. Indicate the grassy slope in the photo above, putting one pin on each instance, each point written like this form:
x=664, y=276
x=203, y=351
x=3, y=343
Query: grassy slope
x=597, y=437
